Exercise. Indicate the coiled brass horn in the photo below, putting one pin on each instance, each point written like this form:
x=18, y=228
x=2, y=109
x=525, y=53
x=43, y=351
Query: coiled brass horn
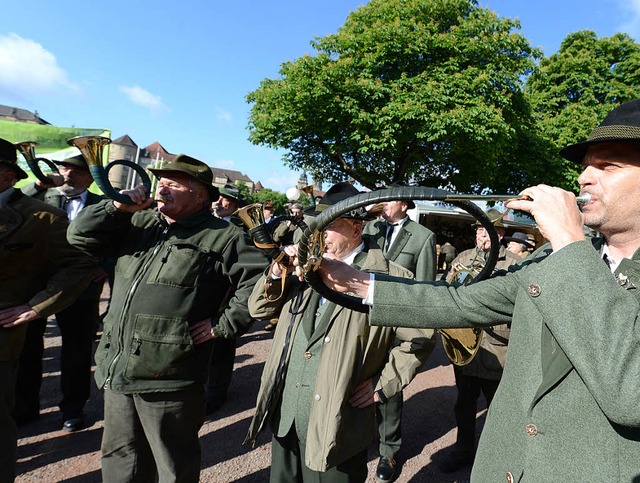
x=28, y=150
x=92, y=148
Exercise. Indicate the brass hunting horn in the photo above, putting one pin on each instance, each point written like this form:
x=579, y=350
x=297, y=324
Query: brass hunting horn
x=261, y=232
x=92, y=148
x=28, y=150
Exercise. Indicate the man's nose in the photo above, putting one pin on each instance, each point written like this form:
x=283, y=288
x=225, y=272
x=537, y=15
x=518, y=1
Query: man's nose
x=588, y=176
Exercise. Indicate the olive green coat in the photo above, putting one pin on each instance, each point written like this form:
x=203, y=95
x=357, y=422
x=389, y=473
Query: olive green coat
x=568, y=406
x=38, y=266
x=346, y=351
x=167, y=278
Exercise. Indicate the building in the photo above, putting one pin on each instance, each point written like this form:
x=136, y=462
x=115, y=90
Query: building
x=8, y=113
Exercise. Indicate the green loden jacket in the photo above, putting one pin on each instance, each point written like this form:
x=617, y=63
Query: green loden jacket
x=349, y=352
x=413, y=248
x=38, y=267
x=167, y=277
x=568, y=406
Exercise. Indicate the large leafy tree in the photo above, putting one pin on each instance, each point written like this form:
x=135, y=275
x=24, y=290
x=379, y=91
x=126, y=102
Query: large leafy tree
x=574, y=89
x=426, y=91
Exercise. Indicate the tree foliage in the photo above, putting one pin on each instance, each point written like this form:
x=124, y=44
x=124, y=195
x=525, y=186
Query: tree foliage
x=574, y=89
x=278, y=199
x=426, y=91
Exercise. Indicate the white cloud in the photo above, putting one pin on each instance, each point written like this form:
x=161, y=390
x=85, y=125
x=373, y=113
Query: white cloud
x=28, y=68
x=223, y=116
x=631, y=8
x=143, y=97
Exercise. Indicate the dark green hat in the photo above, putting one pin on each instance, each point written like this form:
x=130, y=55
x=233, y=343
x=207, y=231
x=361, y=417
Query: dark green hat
x=621, y=124
x=9, y=157
x=229, y=191
x=191, y=167
x=495, y=216
x=77, y=160
x=335, y=194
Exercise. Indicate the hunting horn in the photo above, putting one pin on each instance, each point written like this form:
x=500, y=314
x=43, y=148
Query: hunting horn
x=461, y=344
x=28, y=150
x=91, y=148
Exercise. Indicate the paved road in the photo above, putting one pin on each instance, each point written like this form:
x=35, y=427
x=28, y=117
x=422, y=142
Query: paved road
x=48, y=454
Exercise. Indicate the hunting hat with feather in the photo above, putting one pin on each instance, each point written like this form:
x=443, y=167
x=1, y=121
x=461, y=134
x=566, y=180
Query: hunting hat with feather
x=495, y=216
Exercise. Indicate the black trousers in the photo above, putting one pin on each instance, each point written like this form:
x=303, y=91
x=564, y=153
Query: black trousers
x=223, y=356
x=8, y=431
x=78, y=325
x=466, y=407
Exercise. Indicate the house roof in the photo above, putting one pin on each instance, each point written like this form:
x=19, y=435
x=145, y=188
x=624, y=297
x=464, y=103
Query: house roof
x=124, y=141
x=21, y=115
x=156, y=150
x=230, y=174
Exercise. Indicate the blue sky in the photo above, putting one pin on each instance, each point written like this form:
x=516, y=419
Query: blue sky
x=178, y=72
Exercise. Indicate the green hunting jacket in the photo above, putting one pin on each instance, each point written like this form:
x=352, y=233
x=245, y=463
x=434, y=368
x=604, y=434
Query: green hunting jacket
x=167, y=277
x=344, y=351
x=38, y=267
x=413, y=248
x=568, y=406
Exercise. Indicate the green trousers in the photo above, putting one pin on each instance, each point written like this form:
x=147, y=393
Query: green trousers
x=287, y=464
x=389, y=417
x=152, y=434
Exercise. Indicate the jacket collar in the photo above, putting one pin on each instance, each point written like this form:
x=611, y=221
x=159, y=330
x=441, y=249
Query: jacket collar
x=190, y=221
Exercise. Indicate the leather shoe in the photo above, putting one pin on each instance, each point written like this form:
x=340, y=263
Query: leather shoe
x=385, y=470
x=455, y=461
x=73, y=424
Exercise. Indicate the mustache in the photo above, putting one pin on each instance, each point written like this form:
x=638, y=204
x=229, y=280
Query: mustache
x=163, y=198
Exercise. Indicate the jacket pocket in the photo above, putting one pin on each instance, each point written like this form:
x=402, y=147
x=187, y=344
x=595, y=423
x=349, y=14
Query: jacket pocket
x=104, y=345
x=179, y=265
x=161, y=348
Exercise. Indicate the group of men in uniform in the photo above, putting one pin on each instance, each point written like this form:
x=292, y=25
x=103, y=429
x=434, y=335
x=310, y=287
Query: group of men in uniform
x=184, y=279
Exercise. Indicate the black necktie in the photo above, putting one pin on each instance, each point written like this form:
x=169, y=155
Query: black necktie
x=67, y=199
x=387, y=243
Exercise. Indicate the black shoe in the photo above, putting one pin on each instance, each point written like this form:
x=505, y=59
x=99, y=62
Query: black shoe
x=456, y=460
x=385, y=470
x=73, y=424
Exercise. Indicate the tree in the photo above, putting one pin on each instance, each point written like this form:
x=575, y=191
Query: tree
x=426, y=91
x=574, y=89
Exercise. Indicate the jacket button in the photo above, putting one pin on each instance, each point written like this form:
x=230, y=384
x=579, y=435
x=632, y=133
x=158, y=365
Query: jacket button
x=307, y=355
x=531, y=429
x=317, y=397
x=317, y=314
x=509, y=477
x=534, y=290
x=327, y=339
